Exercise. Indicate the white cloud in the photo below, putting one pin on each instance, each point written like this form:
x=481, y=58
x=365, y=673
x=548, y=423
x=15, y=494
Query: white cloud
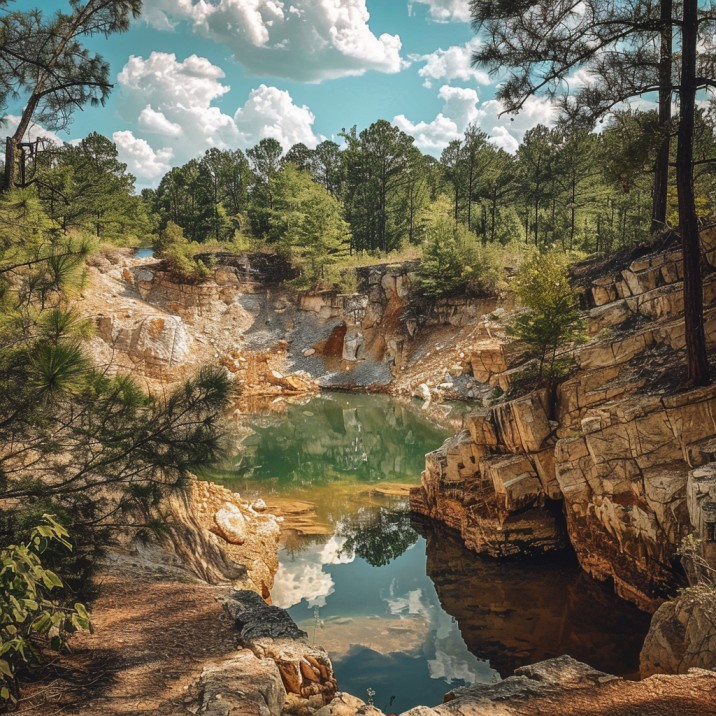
x=143, y=161
x=445, y=10
x=304, y=577
x=459, y=110
x=507, y=130
x=270, y=112
x=35, y=131
x=156, y=123
x=170, y=104
x=305, y=40
x=455, y=63
x=461, y=107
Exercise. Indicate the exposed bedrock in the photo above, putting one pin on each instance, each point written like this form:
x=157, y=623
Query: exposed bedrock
x=618, y=456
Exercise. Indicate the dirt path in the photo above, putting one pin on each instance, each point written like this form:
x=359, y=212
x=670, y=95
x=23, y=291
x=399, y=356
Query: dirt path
x=152, y=638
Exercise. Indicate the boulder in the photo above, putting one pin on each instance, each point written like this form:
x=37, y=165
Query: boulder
x=230, y=524
x=682, y=634
x=243, y=685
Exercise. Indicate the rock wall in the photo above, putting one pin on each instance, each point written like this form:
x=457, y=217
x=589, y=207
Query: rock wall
x=617, y=445
x=154, y=324
x=220, y=537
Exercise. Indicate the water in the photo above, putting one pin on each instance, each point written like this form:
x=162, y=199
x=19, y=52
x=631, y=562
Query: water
x=402, y=607
x=144, y=253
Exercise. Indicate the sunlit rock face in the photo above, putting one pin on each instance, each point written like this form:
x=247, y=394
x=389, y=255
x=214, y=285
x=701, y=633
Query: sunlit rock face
x=613, y=449
x=495, y=483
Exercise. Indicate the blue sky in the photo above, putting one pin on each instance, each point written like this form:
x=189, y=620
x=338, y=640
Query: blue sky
x=198, y=73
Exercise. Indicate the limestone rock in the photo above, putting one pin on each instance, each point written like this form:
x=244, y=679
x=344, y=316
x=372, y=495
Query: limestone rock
x=352, y=344
x=682, y=634
x=231, y=524
x=242, y=686
x=347, y=705
x=271, y=633
x=423, y=392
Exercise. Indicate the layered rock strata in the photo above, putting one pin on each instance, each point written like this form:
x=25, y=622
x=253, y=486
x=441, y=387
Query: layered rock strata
x=615, y=447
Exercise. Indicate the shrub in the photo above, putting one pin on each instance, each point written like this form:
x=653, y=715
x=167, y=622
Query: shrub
x=180, y=253
x=552, y=317
x=27, y=610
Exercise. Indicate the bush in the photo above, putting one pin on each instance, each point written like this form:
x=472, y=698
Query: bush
x=455, y=261
x=552, y=317
x=180, y=253
x=27, y=611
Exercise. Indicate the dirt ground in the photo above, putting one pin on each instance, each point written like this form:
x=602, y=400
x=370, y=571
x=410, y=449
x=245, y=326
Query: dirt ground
x=152, y=638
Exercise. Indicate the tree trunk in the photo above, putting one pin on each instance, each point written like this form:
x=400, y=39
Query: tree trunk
x=697, y=359
x=661, y=168
x=10, y=163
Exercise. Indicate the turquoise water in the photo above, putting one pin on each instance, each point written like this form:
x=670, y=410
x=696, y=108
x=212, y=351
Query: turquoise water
x=403, y=609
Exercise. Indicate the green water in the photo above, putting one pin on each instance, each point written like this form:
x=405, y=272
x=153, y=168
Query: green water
x=403, y=609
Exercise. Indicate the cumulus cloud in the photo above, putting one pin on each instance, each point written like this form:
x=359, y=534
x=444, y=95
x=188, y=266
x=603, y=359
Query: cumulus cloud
x=143, y=161
x=171, y=105
x=270, y=112
x=507, y=131
x=461, y=107
x=304, y=40
x=459, y=111
x=455, y=63
x=35, y=131
x=445, y=10
x=304, y=577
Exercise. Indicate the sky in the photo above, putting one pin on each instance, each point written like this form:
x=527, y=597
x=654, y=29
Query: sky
x=193, y=74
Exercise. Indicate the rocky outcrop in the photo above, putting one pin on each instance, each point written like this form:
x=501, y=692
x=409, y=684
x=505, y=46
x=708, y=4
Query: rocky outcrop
x=564, y=687
x=623, y=451
x=200, y=536
x=241, y=686
x=495, y=482
x=682, y=634
x=270, y=633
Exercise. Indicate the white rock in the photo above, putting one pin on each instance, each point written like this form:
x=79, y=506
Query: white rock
x=423, y=391
x=259, y=506
x=309, y=352
x=230, y=523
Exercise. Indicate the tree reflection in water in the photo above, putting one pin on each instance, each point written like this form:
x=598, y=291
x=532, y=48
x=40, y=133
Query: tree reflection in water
x=377, y=535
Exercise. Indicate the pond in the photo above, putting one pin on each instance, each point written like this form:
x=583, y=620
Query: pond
x=146, y=252
x=403, y=608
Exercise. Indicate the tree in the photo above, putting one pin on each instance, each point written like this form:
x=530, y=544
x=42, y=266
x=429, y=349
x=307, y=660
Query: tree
x=535, y=167
x=265, y=160
x=92, y=449
x=308, y=220
x=301, y=157
x=376, y=162
x=329, y=168
x=29, y=609
x=43, y=61
x=85, y=186
x=552, y=316
x=622, y=46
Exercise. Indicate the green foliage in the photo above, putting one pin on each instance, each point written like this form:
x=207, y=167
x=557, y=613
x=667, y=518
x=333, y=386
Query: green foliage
x=455, y=261
x=307, y=220
x=378, y=536
x=552, y=316
x=86, y=187
x=180, y=253
x=94, y=450
x=27, y=610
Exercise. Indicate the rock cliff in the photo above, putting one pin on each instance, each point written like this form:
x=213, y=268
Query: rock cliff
x=615, y=458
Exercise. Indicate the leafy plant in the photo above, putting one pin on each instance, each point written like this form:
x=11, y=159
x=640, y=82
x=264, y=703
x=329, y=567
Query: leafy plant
x=27, y=610
x=180, y=253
